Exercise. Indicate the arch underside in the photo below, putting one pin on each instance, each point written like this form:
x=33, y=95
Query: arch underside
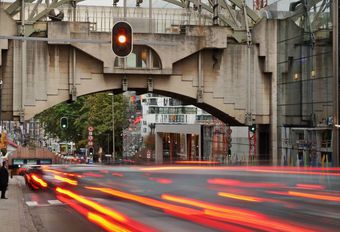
x=224, y=117
x=186, y=100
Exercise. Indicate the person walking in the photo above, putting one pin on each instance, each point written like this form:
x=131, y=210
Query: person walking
x=3, y=179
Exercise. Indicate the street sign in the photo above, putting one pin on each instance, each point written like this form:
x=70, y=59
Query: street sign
x=90, y=136
x=148, y=155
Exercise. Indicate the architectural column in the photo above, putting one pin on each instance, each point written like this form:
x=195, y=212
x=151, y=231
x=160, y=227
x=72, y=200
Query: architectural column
x=158, y=148
x=189, y=155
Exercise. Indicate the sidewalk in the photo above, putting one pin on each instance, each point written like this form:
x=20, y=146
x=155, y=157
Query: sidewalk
x=14, y=214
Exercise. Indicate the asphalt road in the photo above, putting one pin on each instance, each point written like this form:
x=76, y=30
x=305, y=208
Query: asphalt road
x=187, y=198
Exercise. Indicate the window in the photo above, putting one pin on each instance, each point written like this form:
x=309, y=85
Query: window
x=152, y=101
x=142, y=57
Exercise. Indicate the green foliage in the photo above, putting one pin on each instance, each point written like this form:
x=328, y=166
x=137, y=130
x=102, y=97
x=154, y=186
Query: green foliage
x=92, y=110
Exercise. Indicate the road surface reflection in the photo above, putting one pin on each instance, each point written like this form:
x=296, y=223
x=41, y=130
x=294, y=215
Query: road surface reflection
x=189, y=197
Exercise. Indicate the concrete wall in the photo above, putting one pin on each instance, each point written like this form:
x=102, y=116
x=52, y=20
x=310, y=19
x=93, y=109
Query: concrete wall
x=224, y=76
x=7, y=28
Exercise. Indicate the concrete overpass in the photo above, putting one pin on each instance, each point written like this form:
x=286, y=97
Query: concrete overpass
x=215, y=67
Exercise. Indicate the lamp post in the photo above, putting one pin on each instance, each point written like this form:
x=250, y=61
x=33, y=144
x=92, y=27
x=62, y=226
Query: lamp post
x=113, y=127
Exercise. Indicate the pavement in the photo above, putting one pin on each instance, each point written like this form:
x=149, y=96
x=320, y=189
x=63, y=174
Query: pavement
x=14, y=213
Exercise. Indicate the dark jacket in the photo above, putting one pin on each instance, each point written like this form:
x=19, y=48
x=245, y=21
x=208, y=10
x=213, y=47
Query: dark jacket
x=3, y=178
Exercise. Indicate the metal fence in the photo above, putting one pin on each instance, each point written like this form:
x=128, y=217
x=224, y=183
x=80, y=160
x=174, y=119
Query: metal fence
x=102, y=18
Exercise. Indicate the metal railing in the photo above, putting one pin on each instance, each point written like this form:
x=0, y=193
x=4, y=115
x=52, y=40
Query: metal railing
x=102, y=18
x=162, y=20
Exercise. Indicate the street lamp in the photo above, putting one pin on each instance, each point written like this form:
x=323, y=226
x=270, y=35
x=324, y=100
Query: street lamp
x=113, y=127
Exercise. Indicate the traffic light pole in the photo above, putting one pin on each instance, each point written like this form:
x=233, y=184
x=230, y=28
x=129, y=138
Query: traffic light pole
x=125, y=10
x=113, y=129
x=252, y=145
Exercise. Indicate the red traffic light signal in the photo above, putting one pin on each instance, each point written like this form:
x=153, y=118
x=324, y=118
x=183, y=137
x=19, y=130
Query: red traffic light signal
x=122, y=41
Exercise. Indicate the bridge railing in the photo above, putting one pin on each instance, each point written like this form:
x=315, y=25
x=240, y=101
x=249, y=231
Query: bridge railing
x=162, y=20
x=102, y=18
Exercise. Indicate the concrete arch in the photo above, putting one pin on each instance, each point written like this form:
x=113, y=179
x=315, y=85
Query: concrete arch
x=186, y=100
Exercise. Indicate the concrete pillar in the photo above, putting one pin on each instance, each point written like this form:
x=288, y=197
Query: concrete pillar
x=158, y=148
x=200, y=145
x=185, y=145
x=189, y=141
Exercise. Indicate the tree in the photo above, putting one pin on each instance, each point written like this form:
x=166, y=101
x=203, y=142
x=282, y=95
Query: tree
x=91, y=110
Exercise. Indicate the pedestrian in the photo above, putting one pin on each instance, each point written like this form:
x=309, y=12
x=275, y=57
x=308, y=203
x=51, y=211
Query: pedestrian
x=3, y=179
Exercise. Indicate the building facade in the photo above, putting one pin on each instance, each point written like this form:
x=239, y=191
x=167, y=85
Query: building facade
x=307, y=98
x=185, y=132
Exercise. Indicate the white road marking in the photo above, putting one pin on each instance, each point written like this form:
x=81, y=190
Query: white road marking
x=32, y=203
x=55, y=202
x=50, y=203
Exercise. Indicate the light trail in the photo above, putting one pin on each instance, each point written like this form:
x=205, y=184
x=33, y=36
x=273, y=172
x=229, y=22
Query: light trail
x=40, y=181
x=148, y=201
x=62, y=173
x=66, y=180
x=229, y=182
x=161, y=180
x=310, y=186
x=264, y=224
x=128, y=223
x=314, y=196
x=240, y=197
x=115, y=215
x=105, y=224
x=197, y=162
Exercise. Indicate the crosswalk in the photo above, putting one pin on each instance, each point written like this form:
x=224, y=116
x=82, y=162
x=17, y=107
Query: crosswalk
x=47, y=203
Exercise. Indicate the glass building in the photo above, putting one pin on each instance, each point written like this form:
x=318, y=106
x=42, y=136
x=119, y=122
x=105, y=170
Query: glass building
x=307, y=86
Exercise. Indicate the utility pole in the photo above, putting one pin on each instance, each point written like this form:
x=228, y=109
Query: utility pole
x=113, y=127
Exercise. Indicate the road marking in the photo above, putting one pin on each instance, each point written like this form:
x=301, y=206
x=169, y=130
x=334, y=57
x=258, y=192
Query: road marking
x=55, y=202
x=32, y=203
x=50, y=203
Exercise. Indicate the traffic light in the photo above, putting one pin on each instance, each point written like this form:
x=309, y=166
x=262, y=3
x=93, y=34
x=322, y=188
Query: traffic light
x=64, y=122
x=138, y=2
x=115, y=2
x=91, y=151
x=252, y=128
x=122, y=41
